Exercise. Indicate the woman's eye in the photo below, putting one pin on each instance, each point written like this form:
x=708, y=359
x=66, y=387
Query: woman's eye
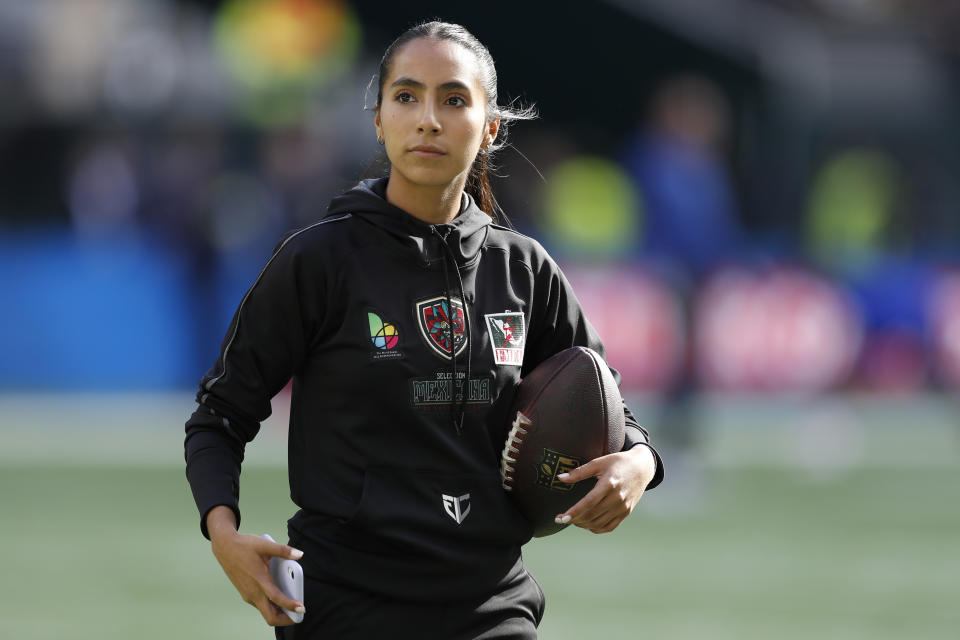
x=456, y=101
x=404, y=96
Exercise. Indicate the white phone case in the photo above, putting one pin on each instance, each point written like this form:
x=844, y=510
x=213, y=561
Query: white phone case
x=288, y=575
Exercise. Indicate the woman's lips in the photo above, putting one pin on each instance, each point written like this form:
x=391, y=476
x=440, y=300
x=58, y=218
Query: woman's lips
x=427, y=152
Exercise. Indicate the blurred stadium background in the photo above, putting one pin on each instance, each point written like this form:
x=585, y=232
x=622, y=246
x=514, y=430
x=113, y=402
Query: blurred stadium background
x=756, y=201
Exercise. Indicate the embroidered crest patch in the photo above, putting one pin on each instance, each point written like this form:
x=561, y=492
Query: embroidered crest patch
x=435, y=320
x=551, y=465
x=508, y=334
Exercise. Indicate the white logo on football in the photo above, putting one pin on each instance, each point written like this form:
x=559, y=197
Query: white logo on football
x=455, y=507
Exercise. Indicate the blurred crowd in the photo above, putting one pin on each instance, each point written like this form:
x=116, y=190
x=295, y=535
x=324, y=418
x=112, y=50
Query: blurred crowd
x=796, y=234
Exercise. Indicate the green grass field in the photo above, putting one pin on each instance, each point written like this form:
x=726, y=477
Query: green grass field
x=111, y=548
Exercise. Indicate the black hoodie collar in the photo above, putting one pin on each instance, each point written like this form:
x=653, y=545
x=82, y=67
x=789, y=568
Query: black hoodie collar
x=465, y=234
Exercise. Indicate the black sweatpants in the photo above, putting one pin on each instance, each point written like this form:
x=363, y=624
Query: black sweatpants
x=335, y=612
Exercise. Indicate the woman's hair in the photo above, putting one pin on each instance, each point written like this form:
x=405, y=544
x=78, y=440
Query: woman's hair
x=478, y=182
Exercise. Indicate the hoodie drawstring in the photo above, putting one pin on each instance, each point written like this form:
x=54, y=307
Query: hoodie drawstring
x=456, y=414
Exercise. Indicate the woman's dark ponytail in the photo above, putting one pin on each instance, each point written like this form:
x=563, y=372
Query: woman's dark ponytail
x=478, y=187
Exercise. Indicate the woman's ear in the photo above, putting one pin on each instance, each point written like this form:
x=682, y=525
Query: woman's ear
x=376, y=125
x=491, y=134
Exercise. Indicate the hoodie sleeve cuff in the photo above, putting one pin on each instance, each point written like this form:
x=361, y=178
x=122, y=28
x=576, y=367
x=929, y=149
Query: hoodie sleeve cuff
x=634, y=438
x=213, y=481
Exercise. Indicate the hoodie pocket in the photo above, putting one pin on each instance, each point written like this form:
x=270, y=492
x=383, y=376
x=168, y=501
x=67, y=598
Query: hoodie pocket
x=450, y=517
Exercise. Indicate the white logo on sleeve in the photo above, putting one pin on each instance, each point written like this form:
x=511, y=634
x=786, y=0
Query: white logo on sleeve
x=455, y=507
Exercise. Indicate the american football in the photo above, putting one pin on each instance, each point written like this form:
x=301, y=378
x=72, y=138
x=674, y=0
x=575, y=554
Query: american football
x=567, y=412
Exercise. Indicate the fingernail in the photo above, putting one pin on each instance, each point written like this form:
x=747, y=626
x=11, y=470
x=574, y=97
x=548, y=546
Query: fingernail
x=296, y=554
x=300, y=609
x=562, y=519
x=563, y=476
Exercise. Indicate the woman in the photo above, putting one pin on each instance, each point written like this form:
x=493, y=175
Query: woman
x=383, y=312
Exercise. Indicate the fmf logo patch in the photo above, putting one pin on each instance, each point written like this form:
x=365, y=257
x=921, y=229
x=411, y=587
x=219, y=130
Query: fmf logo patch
x=457, y=507
x=435, y=320
x=384, y=336
x=508, y=334
x=551, y=465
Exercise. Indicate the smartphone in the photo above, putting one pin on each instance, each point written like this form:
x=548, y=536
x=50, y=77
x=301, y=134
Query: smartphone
x=288, y=575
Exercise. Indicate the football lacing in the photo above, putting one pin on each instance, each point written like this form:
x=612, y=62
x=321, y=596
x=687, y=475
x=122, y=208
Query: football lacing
x=512, y=445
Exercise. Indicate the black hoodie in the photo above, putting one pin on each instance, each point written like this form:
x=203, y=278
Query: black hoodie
x=395, y=470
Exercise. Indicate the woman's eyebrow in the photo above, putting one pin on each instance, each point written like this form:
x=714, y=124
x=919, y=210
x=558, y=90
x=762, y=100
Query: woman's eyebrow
x=452, y=85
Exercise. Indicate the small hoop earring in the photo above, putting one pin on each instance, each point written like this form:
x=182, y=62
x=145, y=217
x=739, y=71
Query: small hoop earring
x=380, y=140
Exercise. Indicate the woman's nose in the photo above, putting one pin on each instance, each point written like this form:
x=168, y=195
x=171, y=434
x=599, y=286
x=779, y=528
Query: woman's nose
x=428, y=119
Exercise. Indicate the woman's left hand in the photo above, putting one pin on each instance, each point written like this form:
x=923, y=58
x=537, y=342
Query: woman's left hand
x=621, y=480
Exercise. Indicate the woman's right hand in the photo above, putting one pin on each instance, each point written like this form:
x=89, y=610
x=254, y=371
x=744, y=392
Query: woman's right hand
x=246, y=561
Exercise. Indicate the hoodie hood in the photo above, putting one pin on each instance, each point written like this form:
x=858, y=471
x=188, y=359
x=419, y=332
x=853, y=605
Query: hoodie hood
x=464, y=235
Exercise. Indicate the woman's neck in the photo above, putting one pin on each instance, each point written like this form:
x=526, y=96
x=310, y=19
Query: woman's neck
x=435, y=205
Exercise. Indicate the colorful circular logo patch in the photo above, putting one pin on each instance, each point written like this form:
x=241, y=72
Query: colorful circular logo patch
x=383, y=334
